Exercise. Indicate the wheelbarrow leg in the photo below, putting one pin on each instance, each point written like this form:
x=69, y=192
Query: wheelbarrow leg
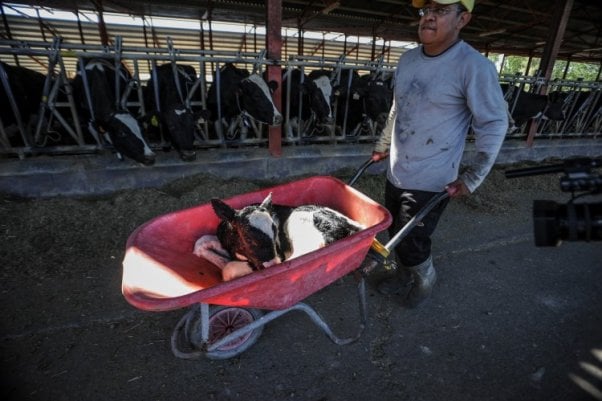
x=200, y=343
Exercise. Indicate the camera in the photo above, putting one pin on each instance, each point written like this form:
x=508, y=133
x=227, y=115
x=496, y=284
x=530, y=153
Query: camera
x=576, y=220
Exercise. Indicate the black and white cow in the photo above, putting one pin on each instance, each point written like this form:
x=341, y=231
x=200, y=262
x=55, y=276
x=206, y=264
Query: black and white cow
x=166, y=98
x=26, y=87
x=308, y=100
x=377, y=98
x=236, y=94
x=321, y=95
x=524, y=105
x=103, y=109
x=267, y=234
x=363, y=102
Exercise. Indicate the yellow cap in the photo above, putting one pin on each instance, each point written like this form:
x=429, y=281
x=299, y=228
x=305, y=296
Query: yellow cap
x=469, y=4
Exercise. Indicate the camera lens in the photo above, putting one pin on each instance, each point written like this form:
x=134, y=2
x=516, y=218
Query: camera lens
x=554, y=222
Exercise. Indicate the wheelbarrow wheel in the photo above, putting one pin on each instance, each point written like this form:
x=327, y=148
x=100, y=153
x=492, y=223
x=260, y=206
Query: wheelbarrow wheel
x=224, y=320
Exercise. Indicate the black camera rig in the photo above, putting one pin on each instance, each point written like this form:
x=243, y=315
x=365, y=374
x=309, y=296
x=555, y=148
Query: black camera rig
x=576, y=220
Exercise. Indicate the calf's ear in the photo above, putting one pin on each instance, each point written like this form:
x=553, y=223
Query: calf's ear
x=222, y=210
x=267, y=202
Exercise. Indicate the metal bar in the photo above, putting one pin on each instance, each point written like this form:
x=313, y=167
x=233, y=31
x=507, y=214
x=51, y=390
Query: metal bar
x=309, y=311
x=274, y=72
x=13, y=105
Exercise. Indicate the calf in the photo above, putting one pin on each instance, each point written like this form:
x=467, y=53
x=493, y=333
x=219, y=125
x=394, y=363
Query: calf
x=267, y=234
x=524, y=105
x=99, y=103
x=236, y=93
x=166, y=94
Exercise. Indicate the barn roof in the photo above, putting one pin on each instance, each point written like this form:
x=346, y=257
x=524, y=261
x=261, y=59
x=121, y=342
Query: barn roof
x=518, y=27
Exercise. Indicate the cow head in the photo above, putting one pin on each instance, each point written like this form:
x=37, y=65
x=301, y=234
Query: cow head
x=555, y=106
x=378, y=100
x=256, y=99
x=250, y=233
x=319, y=91
x=125, y=135
x=180, y=123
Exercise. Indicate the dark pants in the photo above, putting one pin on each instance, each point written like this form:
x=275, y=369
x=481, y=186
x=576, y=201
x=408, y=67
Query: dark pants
x=415, y=247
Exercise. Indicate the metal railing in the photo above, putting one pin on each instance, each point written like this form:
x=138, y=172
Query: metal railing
x=57, y=128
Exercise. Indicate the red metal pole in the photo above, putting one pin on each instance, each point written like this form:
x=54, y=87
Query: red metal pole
x=274, y=72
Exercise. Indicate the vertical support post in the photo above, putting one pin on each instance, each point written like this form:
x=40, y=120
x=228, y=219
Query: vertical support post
x=102, y=27
x=274, y=71
x=7, y=30
x=557, y=28
x=529, y=61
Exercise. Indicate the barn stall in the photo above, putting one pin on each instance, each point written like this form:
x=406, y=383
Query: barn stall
x=53, y=46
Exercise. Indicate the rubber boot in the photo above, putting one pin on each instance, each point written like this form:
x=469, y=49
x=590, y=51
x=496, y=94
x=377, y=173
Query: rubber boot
x=424, y=278
x=399, y=284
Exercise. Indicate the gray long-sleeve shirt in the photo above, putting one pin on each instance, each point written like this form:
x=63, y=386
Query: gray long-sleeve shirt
x=436, y=101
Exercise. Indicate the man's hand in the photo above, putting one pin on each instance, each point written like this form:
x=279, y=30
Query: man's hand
x=457, y=189
x=378, y=156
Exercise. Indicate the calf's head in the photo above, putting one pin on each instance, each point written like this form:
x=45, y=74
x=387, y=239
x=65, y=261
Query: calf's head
x=250, y=233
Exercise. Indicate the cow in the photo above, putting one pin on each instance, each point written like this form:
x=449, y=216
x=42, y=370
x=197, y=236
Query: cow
x=103, y=109
x=165, y=96
x=267, y=234
x=308, y=100
x=364, y=102
x=26, y=87
x=377, y=99
x=236, y=95
x=524, y=105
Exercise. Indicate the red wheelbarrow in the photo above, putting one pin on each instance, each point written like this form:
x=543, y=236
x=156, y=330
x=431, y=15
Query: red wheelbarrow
x=161, y=273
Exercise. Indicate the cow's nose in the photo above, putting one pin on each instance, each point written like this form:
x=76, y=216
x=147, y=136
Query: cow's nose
x=328, y=120
x=188, y=155
x=272, y=262
x=149, y=160
x=278, y=119
x=382, y=118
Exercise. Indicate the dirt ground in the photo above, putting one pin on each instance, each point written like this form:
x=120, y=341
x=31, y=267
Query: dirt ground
x=507, y=320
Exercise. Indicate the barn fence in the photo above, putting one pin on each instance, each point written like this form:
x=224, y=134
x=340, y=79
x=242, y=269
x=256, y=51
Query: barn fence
x=58, y=129
x=581, y=105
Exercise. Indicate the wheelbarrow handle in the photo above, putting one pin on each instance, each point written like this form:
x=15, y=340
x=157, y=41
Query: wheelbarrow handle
x=414, y=221
x=361, y=170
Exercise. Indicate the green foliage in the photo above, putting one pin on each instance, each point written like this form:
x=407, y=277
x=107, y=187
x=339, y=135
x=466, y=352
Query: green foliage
x=518, y=65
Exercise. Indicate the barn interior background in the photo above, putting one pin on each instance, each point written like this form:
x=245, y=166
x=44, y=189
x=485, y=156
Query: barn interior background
x=541, y=47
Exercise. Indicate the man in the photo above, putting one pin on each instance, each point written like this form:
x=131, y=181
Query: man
x=443, y=88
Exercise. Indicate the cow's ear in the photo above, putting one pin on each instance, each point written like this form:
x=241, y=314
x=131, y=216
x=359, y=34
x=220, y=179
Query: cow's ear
x=267, y=202
x=273, y=85
x=222, y=210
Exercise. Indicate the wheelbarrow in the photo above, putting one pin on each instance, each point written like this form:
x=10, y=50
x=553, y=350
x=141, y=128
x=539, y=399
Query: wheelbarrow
x=161, y=273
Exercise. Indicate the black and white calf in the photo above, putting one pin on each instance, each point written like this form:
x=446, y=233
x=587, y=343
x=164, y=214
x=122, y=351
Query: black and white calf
x=103, y=107
x=235, y=96
x=268, y=234
x=166, y=96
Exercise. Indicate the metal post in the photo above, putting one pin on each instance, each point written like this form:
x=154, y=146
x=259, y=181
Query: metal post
x=274, y=72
